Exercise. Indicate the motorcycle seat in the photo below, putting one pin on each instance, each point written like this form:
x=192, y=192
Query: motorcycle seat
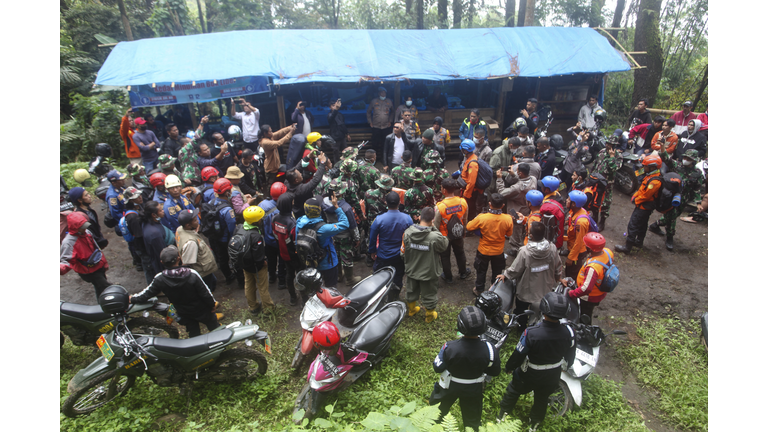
x=372, y=333
x=86, y=312
x=195, y=345
x=362, y=293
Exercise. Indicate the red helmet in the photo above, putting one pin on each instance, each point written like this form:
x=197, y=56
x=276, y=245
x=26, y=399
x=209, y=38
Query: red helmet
x=594, y=241
x=652, y=160
x=157, y=179
x=326, y=334
x=277, y=189
x=222, y=185
x=209, y=172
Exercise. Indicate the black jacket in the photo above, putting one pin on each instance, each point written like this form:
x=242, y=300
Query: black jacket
x=389, y=148
x=467, y=358
x=253, y=261
x=547, y=162
x=546, y=343
x=184, y=288
x=337, y=125
x=697, y=142
x=297, y=118
x=304, y=191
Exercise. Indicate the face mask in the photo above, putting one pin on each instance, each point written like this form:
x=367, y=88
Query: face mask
x=382, y=97
x=304, y=164
x=157, y=218
x=477, y=140
x=408, y=103
x=687, y=162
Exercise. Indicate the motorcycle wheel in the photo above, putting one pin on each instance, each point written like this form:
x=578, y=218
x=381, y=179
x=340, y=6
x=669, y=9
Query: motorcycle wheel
x=625, y=180
x=153, y=326
x=587, y=158
x=96, y=393
x=309, y=400
x=298, y=360
x=561, y=400
x=237, y=365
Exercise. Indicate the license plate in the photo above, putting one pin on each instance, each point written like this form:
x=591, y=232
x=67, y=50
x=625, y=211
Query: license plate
x=328, y=365
x=104, y=347
x=495, y=334
x=586, y=358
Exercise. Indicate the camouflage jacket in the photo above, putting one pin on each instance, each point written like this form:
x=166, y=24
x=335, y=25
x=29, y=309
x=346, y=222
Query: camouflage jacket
x=693, y=179
x=375, y=203
x=606, y=165
x=433, y=178
x=367, y=174
x=188, y=161
x=418, y=197
x=402, y=176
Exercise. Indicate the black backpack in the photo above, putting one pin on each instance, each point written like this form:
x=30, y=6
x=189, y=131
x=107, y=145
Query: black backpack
x=484, y=174
x=238, y=247
x=454, y=226
x=308, y=245
x=210, y=225
x=671, y=186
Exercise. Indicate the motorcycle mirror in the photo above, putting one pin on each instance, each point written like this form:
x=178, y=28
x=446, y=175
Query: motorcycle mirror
x=619, y=332
x=529, y=312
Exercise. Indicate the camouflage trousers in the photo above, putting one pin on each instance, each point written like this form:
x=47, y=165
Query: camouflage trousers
x=345, y=248
x=669, y=219
x=606, y=207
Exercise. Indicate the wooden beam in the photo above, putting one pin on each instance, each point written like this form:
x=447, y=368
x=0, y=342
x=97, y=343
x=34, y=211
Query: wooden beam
x=499, y=113
x=664, y=112
x=638, y=52
x=281, y=111
x=611, y=28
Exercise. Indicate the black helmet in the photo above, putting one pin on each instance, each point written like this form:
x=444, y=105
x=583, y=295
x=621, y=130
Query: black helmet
x=600, y=115
x=489, y=302
x=114, y=299
x=554, y=305
x=556, y=141
x=103, y=150
x=309, y=279
x=471, y=321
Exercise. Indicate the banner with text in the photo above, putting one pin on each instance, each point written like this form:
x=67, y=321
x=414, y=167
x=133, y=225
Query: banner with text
x=201, y=91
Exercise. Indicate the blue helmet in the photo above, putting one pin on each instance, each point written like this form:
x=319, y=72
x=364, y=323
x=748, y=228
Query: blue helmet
x=191, y=134
x=534, y=197
x=467, y=145
x=551, y=182
x=578, y=198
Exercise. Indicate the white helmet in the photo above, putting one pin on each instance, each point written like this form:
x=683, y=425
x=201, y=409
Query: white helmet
x=234, y=132
x=172, y=181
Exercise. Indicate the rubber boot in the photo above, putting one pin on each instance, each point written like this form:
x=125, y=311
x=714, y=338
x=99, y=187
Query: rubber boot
x=413, y=308
x=350, y=277
x=431, y=315
x=669, y=244
x=654, y=228
x=219, y=316
x=601, y=224
x=625, y=248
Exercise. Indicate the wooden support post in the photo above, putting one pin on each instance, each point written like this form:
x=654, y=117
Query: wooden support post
x=498, y=115
x=192, y=115
x=281, y=111
x=396, y=98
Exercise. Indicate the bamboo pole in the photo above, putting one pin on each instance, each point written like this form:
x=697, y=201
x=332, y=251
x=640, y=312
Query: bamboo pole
x=622, y=48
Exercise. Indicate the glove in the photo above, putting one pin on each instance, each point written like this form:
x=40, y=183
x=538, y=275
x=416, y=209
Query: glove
x=64, y=269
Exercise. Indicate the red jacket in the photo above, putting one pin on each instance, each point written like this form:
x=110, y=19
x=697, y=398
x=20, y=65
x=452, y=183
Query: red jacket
x=78, y=247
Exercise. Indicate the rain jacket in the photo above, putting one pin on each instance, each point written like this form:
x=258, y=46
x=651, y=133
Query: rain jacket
x=421, y=251
x=184, y=288
x=77, y=247
x=537, y=268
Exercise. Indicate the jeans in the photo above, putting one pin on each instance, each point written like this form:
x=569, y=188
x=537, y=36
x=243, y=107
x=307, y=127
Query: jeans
x=149, y=165
x=146, y=264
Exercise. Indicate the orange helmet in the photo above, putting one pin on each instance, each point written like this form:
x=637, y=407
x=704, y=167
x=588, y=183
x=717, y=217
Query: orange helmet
x=652, y=160
x=157, y=179
x=222, y=185
x=594, y=241
x=209, y=172
x=277, y=189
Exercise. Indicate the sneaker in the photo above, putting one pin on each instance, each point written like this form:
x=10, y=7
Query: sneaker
x=256, y=311
x=293, y=301
x=447, y=279
x=467, y=273
x=139, y=268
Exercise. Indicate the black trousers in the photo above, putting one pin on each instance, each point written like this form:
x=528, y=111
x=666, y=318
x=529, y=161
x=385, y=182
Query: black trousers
x=98, y=279
x=541, y=383
x=193, y=325
x=330, y=277
x=396, y=262
x=461, y=258
x=470, y=401
x=481, y=266
x=572, y=271
x=377, y=141
x=638, y=225
x=210, y=280
x=520, y=307
x=475, y=204
x=588, y=308
x=219, y=249
x=275, y=264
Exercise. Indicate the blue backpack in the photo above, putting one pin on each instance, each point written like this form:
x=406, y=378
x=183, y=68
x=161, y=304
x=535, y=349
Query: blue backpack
x=610, y=277
x=123, y=226
x=592, y=224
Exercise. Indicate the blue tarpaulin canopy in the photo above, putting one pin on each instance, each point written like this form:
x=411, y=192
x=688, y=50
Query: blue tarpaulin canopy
x=295, y=56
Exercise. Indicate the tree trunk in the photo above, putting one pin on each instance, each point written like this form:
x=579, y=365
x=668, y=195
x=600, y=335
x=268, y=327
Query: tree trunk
x=442, y=14
x=200, y=14
x=521, y=13
x=529, y=8
x=596, y=13
x=509, y=14
x=457, y=9
x=420, y=14
x=702, y=87
x=408, y=4
x=617, y=18
x=647, y=39
x=471, y=13
x=209, y=15
x=124, y=17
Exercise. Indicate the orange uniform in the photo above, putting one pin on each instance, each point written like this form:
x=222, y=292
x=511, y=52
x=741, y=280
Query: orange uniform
x=591, y=277
x=469, y=175
x=535, y=216
x=126, y=133
x=576, y=231
x=493, y=228
x=447, y=208
x=671, y=142
x=648, y=190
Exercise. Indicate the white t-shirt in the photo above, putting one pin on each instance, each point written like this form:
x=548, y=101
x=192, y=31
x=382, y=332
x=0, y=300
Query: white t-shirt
x=250, y=125
x=397, y=153
x=307, y=125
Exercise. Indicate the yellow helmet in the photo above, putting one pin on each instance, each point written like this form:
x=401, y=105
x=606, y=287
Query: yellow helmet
x=312, y=137
x=253, y=214
x=81, y=175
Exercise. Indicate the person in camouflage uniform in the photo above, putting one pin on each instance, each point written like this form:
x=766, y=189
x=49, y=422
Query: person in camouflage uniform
x=401, y=174
x=606, y=164
x=347, y=153
x=418, y=196
x=166, y=163
x=693, y=182
x=346, y=241
x=348, y=168
x=190, y=172
x=434, y=175
x=375, y=202
x=367, y=174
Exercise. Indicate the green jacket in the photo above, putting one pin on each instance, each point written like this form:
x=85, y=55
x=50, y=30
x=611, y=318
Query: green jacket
x=421, y=251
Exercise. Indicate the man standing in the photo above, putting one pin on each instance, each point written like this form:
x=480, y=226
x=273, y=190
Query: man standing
x=302, y=118
x=271, y=143
x=79, y=252
x=375, y=199
x=250, y=119
x=174, y=142
x=418, y=196
x=681, y=118
x=410, y=126
x=530, y=115
x=546, y=157
x=188, y=155
x=328, y=266
x=502, y=157
x=225, y=214
x=520, y=183
x=482, y=148
x=82, y=199
x=221, y=146
x=248, y=168
x=640, y=113
x=592, y=274
x=406, y=107
x=157, y=180
x=578, y=226
x=470, y=126
x=381, y=115
x=303, y=191
x=401, y=174
x=449, y=213
x=421, y=248
x=434, y=175
x=442, y=135
x=644, y=200
x=127, y=129
x=437, y=102
x=195, y=252
x=254, y=263
x=395, y=144
x=114, y=196
x=493, y=227
x=154, y=233
x=284, y=229
x=427, y=145
x=347, y=240
x=132, y=200
x=606, y=164
x=338, y=128
x=470, y=168
x=176, y=203
x=147, y=142
x=587, y=112
x=385, y=240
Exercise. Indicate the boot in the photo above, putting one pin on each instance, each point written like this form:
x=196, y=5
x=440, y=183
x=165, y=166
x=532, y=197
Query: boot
x=431, y=315
x=654, y=228
x=413, y=309
x=670, y=246
x=350, y=277
x=601, y=224
x=626, y=248
x=219, y=316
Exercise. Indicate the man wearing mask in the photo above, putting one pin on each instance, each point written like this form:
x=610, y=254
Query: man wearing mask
x=147, y=142
x=473, y=124
x=482, y=149
x=410, y=126
x=587, y=111
x=381, y=115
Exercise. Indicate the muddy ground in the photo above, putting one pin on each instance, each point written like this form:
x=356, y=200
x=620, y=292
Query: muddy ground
x=652, y=281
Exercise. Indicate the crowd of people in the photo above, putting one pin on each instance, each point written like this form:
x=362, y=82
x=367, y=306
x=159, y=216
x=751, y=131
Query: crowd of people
x=198, y=203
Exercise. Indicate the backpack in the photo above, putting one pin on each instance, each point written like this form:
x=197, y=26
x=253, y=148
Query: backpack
x=109, y=221
x=308, y=245
x=484, y=174
x=210, y=225
x=239, y=245
x=610, y=276
x=454, y=225
x=592, y=224
x=63, y=226
x=123, y=225
x=671, y=186
x=596, y=186
x=284, y=233
x=553, y=217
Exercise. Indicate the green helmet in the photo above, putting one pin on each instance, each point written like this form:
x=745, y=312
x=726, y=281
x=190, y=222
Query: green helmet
x=349, y=153
x=166, y=161
x=692, y=154
x=385, y=182
x=417, y=175
x=348, y=166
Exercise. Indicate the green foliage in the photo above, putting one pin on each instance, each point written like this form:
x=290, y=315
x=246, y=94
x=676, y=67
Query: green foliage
x=238, y=15
x=618, y=101
x=66, y=171
x=172, y=18
x=96, y=119
x=670, y=360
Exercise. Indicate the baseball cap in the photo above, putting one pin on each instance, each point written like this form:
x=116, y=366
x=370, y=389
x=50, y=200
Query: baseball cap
x=115, y=175
x=186, y=216
x=687, y=103
x=169, y=255
x=140, y=121
x=429, y=133
x=134, y=169
x=534, y=100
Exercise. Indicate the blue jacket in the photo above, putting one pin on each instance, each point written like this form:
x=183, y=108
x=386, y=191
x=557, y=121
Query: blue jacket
x=171, y=209
x=114, y=199
x=388, y=228
x=160, y=196
x=207, y=192
x=269, y=236
x=325, y=235
x=467, y=129
x=226, y=219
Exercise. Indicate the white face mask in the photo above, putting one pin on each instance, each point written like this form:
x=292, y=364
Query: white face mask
x=477, y=140
x=408, y=103
x=687, y=162
x=157, y=218
x=304, y=164
x=382, y=97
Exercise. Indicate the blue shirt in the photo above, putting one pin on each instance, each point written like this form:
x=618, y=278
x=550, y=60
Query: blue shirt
x=114, y=199
x=226, y=219
x=171, y=209
x=160, y=196
x=269, y=236
x=142, y=140
x=208, y=192
x=388, y=228
x=325, y=236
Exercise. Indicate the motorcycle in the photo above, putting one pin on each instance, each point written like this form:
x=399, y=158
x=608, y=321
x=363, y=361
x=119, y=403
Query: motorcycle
x=366, y=347
x=168, y=362
x=625, y=178
x=544, y=113
x=347, y=312
x=84, y=324
x=500, y=322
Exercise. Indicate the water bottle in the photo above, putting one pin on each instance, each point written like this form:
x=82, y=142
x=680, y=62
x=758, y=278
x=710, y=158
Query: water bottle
x=676, y=200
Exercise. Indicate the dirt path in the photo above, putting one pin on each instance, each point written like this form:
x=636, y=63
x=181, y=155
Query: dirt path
x=652, y=281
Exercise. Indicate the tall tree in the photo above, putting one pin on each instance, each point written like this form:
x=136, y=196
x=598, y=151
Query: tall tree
x=457, y=9
x=471, y=13
x=124, y=17
x=200, y=14
x=617, y=18
x=509, y=13
x=703, y=86
x=647, y=38
x=521, y=13
x=420, y=14
x=530, y=6
x=442, y=13
x=596, y=13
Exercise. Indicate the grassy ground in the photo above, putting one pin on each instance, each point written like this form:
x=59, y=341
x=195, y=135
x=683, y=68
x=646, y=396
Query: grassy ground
x=267, y=403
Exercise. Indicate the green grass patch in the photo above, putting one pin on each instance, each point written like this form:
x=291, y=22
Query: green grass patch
x=67, y=170
x=670, y=360
x=266, y=404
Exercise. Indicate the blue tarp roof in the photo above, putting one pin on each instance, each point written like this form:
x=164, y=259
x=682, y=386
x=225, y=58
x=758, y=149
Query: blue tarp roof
x=291, y=56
